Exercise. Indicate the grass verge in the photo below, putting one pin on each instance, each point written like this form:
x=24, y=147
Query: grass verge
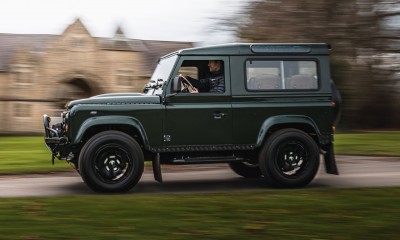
x=274, y=214
x=19, y=155
x=368, y=143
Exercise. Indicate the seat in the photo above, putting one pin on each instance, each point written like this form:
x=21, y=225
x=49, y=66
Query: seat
x=302, y=81
x=264, y=82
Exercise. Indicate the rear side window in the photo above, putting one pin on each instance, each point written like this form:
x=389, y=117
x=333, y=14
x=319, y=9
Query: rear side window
x=266, y=75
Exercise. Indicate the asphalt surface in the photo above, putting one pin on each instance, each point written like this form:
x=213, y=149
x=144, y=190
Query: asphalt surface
x=355, y=172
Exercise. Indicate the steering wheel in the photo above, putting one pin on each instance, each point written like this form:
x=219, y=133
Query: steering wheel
x=187, y=86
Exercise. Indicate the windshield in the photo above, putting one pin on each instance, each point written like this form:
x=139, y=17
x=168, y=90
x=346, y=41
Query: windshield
x=160, y=75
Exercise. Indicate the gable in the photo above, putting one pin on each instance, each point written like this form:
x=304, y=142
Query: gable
x=76, y=35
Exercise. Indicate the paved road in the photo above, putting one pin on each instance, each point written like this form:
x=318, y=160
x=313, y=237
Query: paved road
x=355, y=171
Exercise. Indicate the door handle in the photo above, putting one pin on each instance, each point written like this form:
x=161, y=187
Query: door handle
x=219, y=115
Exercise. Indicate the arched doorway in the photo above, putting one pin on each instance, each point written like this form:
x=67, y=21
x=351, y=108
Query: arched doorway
x=79, y=88
x=75, y=87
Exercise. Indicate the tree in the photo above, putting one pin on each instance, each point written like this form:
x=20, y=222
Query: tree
x=364, y=48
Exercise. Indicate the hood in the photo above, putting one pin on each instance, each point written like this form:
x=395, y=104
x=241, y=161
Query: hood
x=117, y=98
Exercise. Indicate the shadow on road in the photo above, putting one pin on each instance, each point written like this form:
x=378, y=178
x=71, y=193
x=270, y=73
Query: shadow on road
x=177, y=186
x=192, y=186
x=195, y=180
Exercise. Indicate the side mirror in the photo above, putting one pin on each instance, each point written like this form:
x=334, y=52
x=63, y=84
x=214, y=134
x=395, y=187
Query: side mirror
x=176, y=85
x=160, y=82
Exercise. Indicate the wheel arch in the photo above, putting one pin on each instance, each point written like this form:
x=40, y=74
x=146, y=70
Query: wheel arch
x=128, y=125
x=276, y=123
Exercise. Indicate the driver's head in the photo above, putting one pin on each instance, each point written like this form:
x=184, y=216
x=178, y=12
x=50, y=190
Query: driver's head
x=214, y=65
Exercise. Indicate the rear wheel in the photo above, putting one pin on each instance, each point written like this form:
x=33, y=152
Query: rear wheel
x=111, y=161
x=289, y=158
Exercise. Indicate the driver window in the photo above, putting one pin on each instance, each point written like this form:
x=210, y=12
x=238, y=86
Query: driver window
x=197, y=76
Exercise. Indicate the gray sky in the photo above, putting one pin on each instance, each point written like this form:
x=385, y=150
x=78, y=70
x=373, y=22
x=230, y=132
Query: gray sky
x=177, y=20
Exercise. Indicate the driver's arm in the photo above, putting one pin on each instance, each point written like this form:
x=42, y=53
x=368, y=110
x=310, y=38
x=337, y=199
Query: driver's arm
x=203, y=84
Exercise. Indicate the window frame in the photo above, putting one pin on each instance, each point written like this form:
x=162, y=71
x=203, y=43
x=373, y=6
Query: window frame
x=17, y=110
x=23, y=74
x=283, y=80
x=224, y=59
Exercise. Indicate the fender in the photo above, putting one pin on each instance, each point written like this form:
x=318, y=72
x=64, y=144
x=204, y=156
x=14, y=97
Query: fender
x=284, y=119
x=111, y=120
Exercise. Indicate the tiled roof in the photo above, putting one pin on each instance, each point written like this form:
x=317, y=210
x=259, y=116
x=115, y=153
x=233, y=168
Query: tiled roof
x=10, y=43
x=122, y=45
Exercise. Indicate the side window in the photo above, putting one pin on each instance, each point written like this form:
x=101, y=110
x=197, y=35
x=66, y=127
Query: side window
x=263, y=75
x=281, y=75
x=204, y=75
x=301, y=75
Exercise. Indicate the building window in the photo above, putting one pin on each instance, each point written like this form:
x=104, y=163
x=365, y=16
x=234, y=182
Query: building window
x=23, y=75
x=22, y=110
x=124, y=78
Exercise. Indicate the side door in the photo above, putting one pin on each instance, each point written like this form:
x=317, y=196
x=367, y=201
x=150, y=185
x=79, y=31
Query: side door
x=198, y=119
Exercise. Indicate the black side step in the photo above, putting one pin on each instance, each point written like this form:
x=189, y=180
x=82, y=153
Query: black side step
x=200, y=160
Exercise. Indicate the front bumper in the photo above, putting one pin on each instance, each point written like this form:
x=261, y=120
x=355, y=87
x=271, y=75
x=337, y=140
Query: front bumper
x=54, y=139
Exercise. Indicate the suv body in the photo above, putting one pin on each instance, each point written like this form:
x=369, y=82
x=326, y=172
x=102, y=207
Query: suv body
x=274, y=120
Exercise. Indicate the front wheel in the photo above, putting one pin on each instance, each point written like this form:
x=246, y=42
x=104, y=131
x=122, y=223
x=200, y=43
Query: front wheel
x=111, y=161
x=289, y=158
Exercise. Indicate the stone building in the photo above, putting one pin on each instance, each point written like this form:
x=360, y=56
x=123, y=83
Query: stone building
x=40, y=73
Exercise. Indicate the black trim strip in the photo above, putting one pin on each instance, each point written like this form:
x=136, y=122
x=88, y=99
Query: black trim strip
x=201, y=148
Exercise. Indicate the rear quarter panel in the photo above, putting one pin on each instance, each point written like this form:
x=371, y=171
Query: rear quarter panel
x=251, y=109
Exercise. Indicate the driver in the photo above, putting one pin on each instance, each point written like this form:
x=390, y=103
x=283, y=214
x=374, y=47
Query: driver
x=214, y=83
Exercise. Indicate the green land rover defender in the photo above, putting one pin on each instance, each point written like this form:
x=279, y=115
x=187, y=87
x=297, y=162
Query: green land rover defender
x=273, y=120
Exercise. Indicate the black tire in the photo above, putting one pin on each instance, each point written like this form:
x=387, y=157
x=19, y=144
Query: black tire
x=246, y=169
x=111, y=161
x=289, y=158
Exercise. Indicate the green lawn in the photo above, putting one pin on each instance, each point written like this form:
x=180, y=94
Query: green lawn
x=29, y=155
x=270, y=214
x=368, y=143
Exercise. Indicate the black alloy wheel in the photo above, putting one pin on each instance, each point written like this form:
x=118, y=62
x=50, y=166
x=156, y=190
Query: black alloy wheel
x=111, y=161
x=289, y=158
